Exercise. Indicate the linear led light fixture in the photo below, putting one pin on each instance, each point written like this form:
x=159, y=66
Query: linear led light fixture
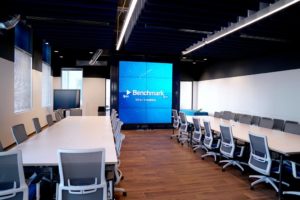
x=95, y=57
x=252, y=18
x=126, y=22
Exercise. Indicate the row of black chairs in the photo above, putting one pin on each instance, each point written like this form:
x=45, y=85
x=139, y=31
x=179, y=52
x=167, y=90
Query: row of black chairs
x=265, y=122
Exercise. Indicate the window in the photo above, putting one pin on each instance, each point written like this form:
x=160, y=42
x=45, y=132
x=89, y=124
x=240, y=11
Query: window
x=46, y=85
x=72, y=79
x=22, y=81
x=186, y=94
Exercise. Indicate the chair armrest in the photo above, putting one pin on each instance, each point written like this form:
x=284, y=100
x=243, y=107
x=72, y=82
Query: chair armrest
x=294, y=169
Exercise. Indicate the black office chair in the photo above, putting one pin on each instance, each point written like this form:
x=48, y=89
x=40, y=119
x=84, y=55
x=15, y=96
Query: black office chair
x=76, y=112
x=229, y=149
x=266, y=122
x=37, y=125
x=255, y=120
x=82, y=174
x=19, y=133
x=49, y=120
x=57, y=116
x=211, y=144
x=12, y=183
x=228, y=115
x=217, y=114
x=292, y=128
x=245, y=119
x=278, y=124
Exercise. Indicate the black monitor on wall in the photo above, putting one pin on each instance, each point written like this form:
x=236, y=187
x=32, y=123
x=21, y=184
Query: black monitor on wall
x=66, y=99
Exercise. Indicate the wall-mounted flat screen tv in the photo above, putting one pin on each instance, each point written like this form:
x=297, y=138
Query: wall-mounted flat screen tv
x=66, y=99
x=145, y=92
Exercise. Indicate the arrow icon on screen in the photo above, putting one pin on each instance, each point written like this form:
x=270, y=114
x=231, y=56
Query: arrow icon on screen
x=127, y=92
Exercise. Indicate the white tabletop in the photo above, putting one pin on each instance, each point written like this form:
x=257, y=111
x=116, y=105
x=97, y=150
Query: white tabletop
x=279, y=141
x=71, y=133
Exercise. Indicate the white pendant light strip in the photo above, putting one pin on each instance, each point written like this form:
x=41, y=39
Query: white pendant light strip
x=243, y=22
x=131, y=18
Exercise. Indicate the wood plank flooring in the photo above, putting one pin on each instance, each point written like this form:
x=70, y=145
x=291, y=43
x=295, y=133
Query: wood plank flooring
x=156, y=167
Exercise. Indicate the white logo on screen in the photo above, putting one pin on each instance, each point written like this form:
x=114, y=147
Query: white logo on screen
x=144, y=93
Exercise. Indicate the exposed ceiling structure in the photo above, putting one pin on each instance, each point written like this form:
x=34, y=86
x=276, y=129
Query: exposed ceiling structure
x=164, y=28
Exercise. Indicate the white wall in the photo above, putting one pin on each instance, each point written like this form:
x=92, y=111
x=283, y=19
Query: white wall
x=274, y=95
x=93, y=94
x=7, y=116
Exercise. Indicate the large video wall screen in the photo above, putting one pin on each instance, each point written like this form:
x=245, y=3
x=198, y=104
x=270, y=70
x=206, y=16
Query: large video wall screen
x=145, y=92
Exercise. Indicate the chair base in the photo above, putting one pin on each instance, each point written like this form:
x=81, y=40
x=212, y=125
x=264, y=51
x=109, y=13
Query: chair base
x=233, y=163
x=211, y=153
x=264, y=179
x=122, y=190
x=297, y=193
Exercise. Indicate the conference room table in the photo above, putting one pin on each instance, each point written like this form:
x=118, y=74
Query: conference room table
x=286, y=144
x=76, y=132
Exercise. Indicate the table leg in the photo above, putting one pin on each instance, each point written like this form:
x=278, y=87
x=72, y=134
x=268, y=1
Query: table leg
x=280, y=177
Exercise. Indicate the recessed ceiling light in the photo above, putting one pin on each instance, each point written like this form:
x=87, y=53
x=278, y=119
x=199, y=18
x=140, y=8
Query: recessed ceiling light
x=46, y=43
x=61, y=56
x=183, y=57
x=56, y=51
x=91, y=52
x=204, y=59
x=194, y=63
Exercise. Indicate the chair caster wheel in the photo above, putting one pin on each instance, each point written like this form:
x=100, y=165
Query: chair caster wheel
x=181, y=144
x=251, y=188
x=194, y=151
x=122, y=178
x=170, y=137
x=223, y=170
x=202, y=158
x=124, y=194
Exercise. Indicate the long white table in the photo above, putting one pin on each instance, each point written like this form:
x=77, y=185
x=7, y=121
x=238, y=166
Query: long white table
x=82, y=132
x=282, y=142
x=279, y=141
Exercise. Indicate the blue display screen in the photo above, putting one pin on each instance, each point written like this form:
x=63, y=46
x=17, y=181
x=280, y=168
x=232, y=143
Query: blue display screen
x=145, y=92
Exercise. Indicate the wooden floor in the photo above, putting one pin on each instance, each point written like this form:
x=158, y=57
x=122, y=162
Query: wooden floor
x=156, y=167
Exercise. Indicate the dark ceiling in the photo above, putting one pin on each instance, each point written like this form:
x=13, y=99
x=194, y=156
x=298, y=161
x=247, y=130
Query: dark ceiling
x=165, y=27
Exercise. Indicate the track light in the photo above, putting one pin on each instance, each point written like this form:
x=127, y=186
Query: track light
x=95, y=56
x=10, y=23
x=126, y=22
x=243, y=22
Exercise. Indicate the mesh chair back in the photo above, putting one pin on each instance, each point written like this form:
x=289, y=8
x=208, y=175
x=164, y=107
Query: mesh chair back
x=57, y=116
x=19, y=133
x=217, y=114
x=227, y=143
x=1, y=147
x=278, y=124
x=245, y=119
x=49, y=120
x=266, y=122
x=259, y=159
x=76, y=112
x=12, y=176
x=84, y=169
x=61, y=113
x=292, y=128
x=255, y=120
x=208, y=138
x=197, y=129
x=176, y=120
x=227, y=115
x=289, y=122
x=237, y=116
x=183, y=121
x=37, y=125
